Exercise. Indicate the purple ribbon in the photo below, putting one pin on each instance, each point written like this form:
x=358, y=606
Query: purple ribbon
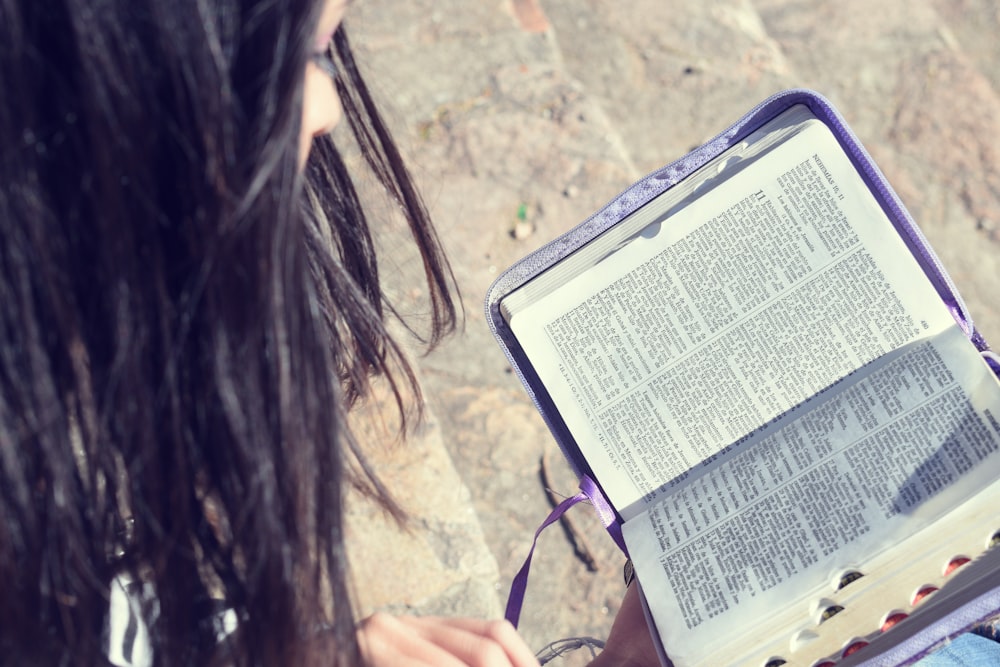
x=588, y=491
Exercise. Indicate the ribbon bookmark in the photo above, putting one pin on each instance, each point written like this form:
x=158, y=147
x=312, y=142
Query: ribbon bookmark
x=588, y=491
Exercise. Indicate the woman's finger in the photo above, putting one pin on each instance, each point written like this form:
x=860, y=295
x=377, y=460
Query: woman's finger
x=442, y=642
x=477, y=641
x=387, y=642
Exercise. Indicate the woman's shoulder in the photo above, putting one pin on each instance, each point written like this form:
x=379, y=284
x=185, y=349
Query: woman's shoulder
x=133, y=610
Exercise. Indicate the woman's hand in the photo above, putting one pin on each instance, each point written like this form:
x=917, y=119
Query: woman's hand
x=629, y=643
x=407, y=641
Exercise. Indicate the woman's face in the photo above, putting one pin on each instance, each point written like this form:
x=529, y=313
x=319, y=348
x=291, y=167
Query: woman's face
x=320, y=104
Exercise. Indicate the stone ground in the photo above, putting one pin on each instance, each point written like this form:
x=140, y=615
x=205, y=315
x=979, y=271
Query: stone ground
x=544, y=110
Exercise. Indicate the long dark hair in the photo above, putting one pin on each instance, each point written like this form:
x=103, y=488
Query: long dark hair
x=185, y=318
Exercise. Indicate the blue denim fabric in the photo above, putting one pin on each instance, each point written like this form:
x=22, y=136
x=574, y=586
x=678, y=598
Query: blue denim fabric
x=968, y=650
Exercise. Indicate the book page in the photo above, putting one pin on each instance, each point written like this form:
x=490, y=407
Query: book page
x=645, y=221
x=772, y=287
x=840, y=479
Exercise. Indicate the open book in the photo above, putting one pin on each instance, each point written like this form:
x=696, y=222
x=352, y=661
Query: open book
x=768, y=374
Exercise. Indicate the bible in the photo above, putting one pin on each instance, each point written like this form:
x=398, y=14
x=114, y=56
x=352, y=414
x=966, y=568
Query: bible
x=772, y=381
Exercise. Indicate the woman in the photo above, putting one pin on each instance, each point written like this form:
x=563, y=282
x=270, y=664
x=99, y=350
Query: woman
x=189, y=304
